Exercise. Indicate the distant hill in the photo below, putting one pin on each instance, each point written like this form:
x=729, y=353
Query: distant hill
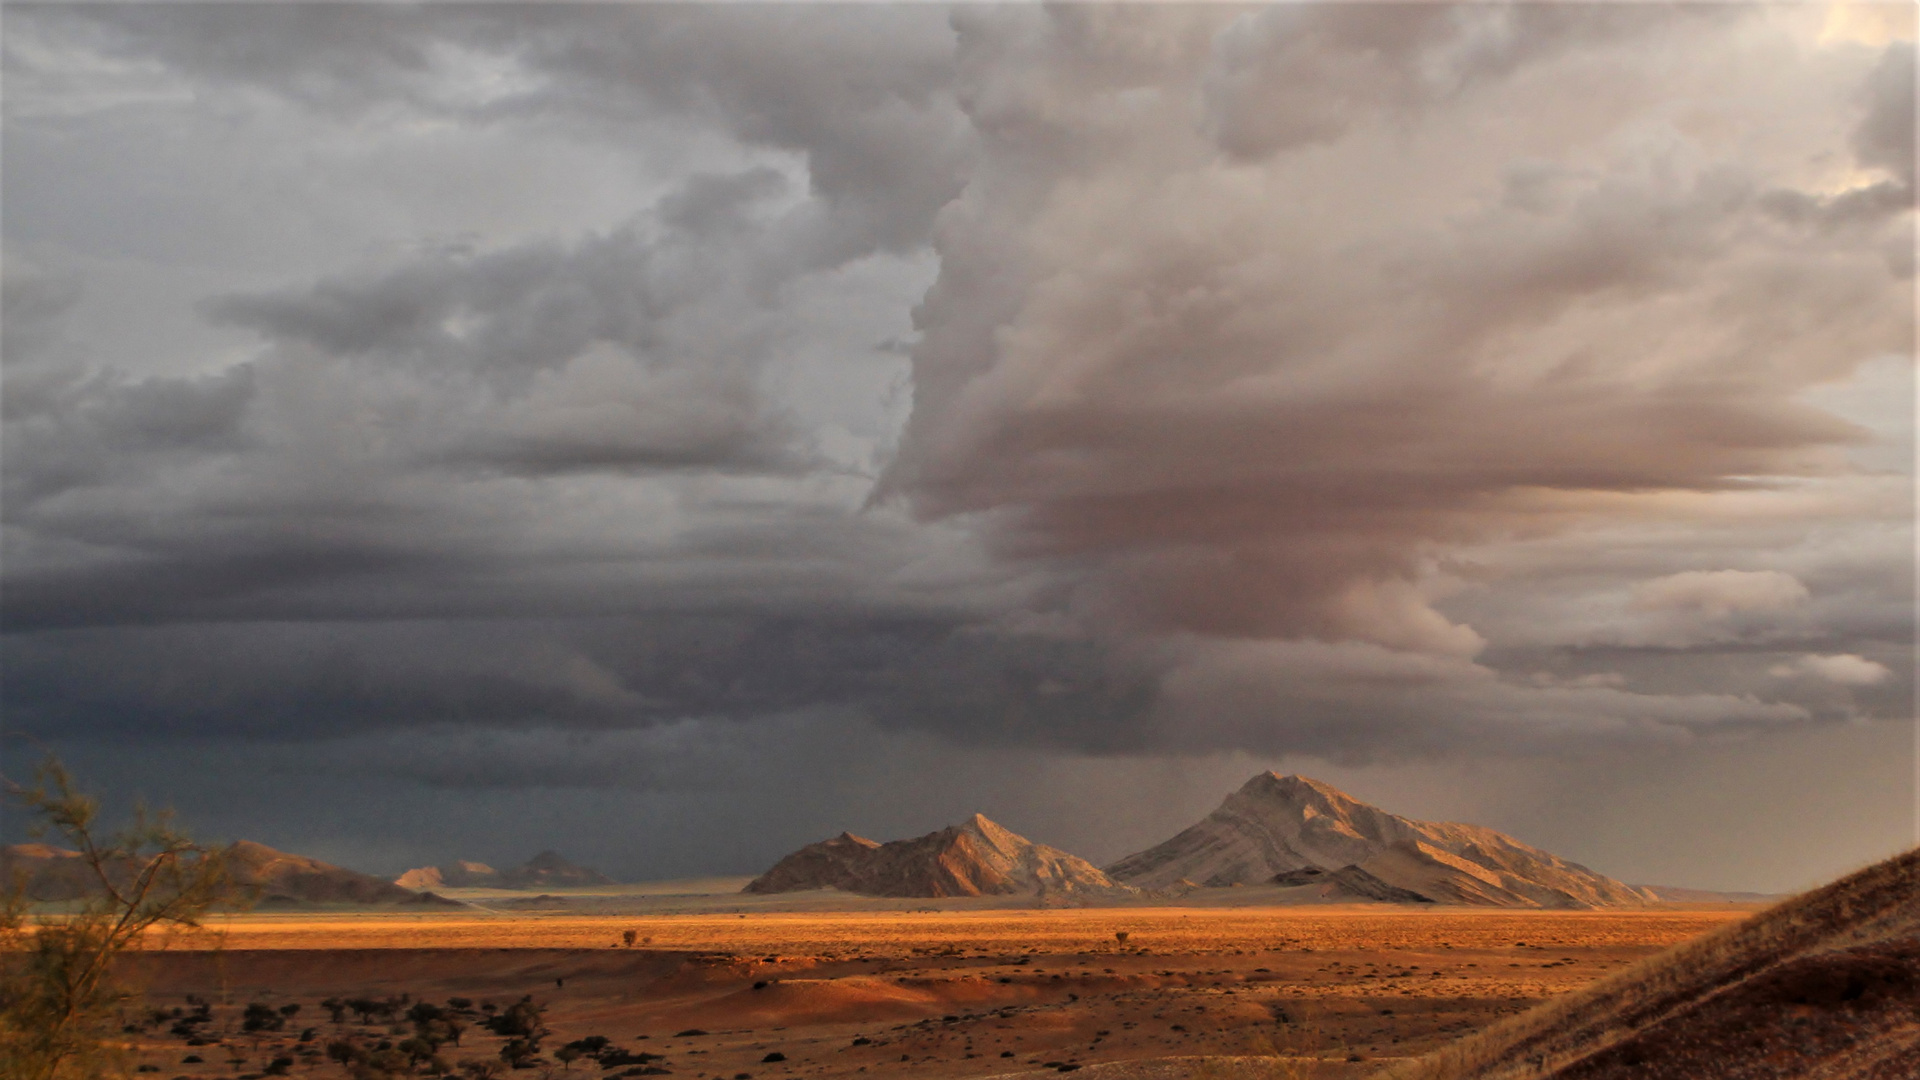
x=1825, y=985
x=973, y=858
x=50, y=873
x=1276, y=826
x=283, y=880
x=546, y=870
x=1675, y=894
x=268, y=877
x=457, y=874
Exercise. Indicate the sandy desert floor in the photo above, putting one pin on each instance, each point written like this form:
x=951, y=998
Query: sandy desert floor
x=1322, y=991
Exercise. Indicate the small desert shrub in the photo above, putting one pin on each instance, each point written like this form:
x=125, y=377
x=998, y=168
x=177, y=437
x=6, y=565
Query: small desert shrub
x=519, y=1052
x=260, y=1016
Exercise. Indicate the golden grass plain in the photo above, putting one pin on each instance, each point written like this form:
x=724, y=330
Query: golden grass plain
x=1284, y=991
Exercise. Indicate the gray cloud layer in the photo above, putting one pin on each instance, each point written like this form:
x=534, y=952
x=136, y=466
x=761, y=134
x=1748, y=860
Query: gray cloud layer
x=1377, y=383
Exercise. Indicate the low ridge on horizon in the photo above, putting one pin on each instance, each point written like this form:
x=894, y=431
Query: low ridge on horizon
x=271, y=878
x=548, y=869
x=1276, y=826
x=977, y=857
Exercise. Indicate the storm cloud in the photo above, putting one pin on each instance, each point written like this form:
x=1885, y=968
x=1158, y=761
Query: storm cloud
x=624, y=394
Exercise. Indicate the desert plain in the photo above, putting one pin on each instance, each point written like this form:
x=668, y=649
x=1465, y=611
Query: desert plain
x=715, y=988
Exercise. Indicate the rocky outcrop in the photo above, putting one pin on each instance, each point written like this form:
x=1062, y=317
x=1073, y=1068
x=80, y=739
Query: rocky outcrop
x=1276, y=824
x=973, y=858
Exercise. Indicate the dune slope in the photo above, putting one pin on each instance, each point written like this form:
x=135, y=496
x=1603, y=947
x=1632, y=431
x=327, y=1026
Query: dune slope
x=1824, y=985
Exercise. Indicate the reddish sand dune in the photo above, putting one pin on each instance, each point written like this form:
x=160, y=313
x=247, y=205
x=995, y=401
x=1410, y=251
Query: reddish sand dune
x=1825, y=985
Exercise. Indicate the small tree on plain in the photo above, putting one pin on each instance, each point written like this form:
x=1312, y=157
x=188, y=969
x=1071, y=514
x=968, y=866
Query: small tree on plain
x=57, y=992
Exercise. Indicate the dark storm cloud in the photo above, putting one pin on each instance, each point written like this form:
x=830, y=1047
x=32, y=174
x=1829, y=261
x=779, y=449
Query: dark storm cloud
x=346, y=470
x=316, y=679
x=35, y=304
x=356, y=467
x=1264, y=344
x=618, y=352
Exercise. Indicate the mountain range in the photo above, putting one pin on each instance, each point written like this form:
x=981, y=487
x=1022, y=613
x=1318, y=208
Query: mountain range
x=1302, y=837
x=1292, y=832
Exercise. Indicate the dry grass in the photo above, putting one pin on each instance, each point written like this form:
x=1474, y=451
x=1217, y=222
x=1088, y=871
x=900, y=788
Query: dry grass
x=1186, y=931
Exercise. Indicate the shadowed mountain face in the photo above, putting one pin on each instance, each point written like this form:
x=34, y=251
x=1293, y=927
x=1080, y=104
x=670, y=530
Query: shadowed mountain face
x=1275, y=825
x=973, y=858
x=1348, y=883
x=546, y=870
x=269, y=878
x=1824, y=985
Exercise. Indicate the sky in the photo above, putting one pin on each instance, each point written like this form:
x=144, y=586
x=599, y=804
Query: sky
x=673, y=434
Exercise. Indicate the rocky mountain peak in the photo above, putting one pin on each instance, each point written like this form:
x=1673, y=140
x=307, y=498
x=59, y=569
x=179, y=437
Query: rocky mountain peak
x=1274, y=825
x=997, y=836
x=977, y=857
x=1299, y=792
